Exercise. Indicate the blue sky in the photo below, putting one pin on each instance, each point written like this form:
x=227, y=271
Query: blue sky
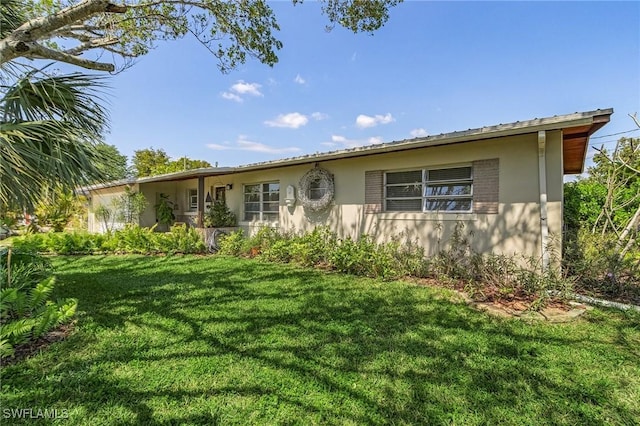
x=435, y=67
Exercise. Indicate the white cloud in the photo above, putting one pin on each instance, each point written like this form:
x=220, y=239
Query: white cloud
x=299, y=79
x=293, y=120
x=240, y=89
x=364, y=121
x=243, y=88
x=417, y=133
x=344, y=142
x=231, y=96
x=319, y=116
x=243, y=144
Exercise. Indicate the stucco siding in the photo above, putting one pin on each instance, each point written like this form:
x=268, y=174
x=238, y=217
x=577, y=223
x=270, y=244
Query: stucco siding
x=104, y=197
x=505, y=217
x=515, y=229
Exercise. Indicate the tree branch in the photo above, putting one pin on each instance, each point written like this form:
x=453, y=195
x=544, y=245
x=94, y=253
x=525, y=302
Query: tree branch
x=92, y=44
x=23, y=39
x=38, y=51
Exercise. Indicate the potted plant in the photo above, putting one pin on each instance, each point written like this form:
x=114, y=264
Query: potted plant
x=164, y=212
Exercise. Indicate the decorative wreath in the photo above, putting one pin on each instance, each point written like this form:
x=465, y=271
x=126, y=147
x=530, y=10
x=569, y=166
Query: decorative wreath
x=326, y=180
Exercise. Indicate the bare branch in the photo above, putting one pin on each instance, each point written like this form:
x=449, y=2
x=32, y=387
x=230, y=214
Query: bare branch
x=23, y=40
x=92, y=44
x=38, y=51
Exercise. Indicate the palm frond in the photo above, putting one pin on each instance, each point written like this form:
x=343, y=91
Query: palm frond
x=75, y=98
x=49, y=131
x=11, y=16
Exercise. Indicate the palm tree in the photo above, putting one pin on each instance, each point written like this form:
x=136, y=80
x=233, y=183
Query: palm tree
x=50, y=126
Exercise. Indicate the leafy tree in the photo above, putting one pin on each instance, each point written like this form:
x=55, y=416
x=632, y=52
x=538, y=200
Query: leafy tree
x=602, y=213
x=609, y=196
x=116, y=166
x=186, y=163
x=151, y=162
x=64, y=30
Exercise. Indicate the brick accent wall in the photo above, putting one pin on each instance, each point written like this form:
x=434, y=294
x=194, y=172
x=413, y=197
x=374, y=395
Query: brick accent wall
x=486, y=186
x=373, y=191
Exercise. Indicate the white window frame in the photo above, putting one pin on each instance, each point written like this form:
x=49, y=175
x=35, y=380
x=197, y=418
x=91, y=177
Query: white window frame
x=192, y=192
x=261, y=212
x=425, y=183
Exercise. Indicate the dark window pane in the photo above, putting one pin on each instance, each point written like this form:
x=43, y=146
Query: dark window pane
x=270, y=207
x=414, y=176
x=251, y=197
x=270, y=217
x=404, y=205
x=462, y=205
x=266, y=187
x=404, y=191
x=252, y=207
x=271, y=196
x=250, y=216
x=449, y=174
x=251, y=189
x=444, y=190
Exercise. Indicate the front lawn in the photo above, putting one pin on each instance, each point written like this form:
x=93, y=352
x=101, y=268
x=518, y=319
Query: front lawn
x=214, y=340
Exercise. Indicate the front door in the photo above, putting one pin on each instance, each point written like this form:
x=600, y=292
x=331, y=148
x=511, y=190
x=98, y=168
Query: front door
x=219, y=194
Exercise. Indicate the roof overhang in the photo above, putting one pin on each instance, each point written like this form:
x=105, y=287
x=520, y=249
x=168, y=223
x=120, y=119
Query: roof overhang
x=576, y=129
x=575, y=143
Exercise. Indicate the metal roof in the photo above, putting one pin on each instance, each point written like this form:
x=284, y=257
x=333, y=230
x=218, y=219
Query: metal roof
x=589, y=120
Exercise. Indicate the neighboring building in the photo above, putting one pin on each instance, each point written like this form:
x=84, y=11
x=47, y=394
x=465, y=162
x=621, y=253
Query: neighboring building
x=504, y=182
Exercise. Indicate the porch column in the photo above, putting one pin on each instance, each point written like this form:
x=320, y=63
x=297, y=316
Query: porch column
x=200, y=222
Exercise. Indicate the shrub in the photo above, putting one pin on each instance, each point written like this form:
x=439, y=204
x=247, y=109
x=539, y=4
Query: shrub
x=219, y=215
x=26, y=313
x=594, y=262
x=131, y=239
x=233, y=244
x=322, y=248
x=181, y=239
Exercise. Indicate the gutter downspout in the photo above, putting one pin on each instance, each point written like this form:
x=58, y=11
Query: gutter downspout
x=542, y=175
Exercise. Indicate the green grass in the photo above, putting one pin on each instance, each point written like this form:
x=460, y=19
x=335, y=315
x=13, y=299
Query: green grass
x=214, y=340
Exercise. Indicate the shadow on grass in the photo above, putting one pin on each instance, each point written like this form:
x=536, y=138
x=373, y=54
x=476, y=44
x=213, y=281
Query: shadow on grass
x=188, y=340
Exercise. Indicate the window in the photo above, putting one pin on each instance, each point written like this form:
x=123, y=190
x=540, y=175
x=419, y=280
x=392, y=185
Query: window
x=429, y=190
x=192, y=199
x=262, y=201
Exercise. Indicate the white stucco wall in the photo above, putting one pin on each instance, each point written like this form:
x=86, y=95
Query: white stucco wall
x=514, y=230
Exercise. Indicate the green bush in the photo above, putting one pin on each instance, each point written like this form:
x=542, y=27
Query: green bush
x=26, y=313
x=219, y=215
x=131, y=239
x=594, y=262
x=233, y=244
x=322, y=248
x=181, y=239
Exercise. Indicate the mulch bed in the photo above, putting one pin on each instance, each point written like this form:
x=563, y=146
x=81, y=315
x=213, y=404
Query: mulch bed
x=30, y=348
